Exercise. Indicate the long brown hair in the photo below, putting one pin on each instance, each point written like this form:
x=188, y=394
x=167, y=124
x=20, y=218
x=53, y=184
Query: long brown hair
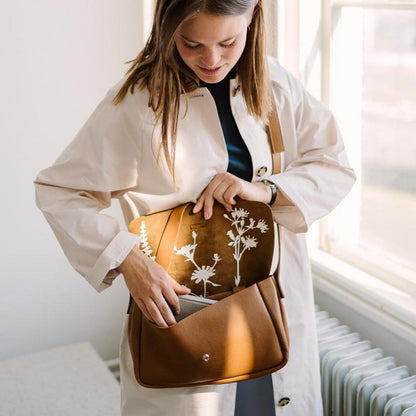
x=160, y=69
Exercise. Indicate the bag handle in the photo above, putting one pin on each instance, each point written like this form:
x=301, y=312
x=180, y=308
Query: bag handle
x=274, y=133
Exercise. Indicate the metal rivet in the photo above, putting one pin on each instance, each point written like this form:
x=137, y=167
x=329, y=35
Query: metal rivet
x=262, y=171
x=284, y=401
x=206, y=357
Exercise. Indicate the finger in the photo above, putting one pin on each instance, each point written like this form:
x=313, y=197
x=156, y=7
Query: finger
x=230, y=194
x=205, y=203
x=225, y=197
x=178, y=288
x=226, y=203
x=198, y=205
x=166, y=311
x=143, y=308
x=171, y=299
x=204, y=198
x=156, y=313
x=207, y=195
x=171, y=293
x=208, y=204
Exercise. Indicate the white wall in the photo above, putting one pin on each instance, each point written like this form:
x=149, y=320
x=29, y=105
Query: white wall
x=58, y=60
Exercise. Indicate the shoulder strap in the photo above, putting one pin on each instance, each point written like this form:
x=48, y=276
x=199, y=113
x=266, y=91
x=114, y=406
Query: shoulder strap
x=168, y=237
x=274, y=133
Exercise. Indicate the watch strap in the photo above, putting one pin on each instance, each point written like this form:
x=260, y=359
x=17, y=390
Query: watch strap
x=273, y=188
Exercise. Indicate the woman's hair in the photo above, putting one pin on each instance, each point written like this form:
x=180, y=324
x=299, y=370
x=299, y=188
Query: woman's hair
x=160, y=69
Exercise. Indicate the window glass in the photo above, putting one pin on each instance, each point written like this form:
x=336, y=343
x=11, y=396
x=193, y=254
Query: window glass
x=373, y=94
x=388, y=212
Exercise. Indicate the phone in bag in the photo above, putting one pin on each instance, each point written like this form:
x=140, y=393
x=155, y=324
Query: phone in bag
x=190, y=304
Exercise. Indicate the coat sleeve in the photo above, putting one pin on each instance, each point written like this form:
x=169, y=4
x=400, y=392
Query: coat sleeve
x=100, y=164
x=317, y=175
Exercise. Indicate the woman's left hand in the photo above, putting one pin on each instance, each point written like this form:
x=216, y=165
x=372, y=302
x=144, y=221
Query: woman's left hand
x=225, y=187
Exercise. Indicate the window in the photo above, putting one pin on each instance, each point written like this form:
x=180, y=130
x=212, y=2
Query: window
x=373, y=89
x=359, y=57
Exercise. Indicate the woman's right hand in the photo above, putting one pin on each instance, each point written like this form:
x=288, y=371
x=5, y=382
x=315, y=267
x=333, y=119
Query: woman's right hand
x=152, y=288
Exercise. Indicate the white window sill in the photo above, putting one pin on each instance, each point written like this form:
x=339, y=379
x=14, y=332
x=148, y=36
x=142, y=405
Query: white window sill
x=391, y=308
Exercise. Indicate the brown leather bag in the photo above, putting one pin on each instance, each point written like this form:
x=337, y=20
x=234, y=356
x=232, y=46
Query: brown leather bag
x=242, y=336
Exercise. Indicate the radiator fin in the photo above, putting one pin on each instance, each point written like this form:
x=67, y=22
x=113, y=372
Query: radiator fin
x=411, y=411
x=357, y=380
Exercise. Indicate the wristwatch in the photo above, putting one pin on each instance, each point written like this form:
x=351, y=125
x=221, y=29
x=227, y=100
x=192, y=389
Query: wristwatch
x=273, y=187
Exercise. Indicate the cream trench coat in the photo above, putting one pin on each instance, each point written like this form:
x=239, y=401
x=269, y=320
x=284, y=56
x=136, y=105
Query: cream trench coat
x=114, y=156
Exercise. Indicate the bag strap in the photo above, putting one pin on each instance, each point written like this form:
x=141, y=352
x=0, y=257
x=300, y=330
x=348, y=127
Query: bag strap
x=274, y=132
x=168, y=237
x=279, y=260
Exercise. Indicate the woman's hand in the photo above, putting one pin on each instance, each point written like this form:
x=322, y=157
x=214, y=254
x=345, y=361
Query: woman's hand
x=224, y=187
x=151, y=287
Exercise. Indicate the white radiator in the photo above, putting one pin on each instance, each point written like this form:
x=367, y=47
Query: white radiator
x=357, y=380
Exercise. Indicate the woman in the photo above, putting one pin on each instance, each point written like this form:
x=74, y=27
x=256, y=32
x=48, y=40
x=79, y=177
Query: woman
x=188, y=124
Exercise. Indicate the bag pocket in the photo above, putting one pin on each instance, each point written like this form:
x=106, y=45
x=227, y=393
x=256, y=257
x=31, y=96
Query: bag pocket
x=237, y=338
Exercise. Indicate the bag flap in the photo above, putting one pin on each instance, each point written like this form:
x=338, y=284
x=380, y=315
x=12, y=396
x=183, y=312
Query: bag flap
x=211, y=256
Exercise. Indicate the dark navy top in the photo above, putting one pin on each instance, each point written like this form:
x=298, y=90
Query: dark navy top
x=239, y=159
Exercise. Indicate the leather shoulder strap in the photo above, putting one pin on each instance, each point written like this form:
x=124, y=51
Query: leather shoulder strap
x=168, y=238
x=274, y=133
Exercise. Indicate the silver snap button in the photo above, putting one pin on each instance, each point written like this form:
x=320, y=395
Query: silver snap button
x=206, y=357
x=262, y=171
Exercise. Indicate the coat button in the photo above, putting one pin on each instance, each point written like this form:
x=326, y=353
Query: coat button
x=284, y=401
x=262, y=171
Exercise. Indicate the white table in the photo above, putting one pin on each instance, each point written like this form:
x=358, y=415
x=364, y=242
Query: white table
x=67, y=381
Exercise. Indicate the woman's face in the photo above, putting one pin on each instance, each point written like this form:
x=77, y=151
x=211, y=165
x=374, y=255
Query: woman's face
x=210, y=45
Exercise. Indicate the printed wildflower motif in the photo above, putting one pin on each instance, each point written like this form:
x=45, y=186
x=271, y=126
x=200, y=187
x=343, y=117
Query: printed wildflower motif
x=248, y=243
x=201, y=273
x=240, y=242
x=144, y=242
x=262, y=226
x=187, y=251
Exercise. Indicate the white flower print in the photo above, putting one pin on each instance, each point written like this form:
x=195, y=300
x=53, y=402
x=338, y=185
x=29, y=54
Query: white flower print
x=262, y=226
x=144, y=242
x=201, y=273
x=240, y=242
x=249, y=242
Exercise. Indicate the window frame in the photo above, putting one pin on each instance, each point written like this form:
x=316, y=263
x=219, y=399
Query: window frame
x=339, y=274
